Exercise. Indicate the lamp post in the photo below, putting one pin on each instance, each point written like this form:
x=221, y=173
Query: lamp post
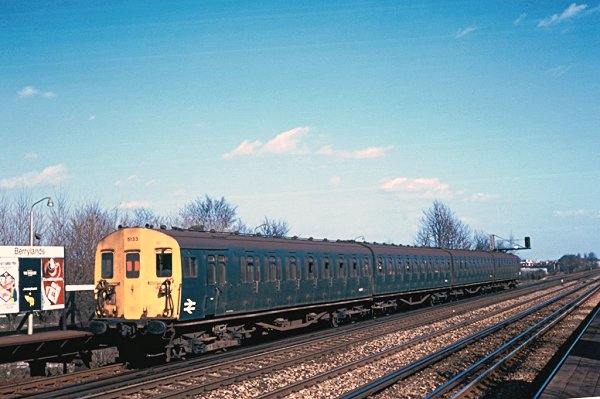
x=31, y=234
x=49, y=203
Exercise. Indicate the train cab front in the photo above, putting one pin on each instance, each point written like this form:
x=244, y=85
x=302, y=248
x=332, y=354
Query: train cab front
x=138, y=280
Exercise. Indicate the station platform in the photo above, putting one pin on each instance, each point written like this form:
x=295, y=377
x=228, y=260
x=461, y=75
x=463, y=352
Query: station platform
x=578, y=376
x=55, y=345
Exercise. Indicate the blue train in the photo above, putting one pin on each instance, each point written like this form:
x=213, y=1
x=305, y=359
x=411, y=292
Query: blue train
x=176, y=292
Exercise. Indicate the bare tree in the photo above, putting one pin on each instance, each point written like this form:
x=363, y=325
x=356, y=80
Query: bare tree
x=210, y=213
x=59, y=223
x=141, y=217
x=273, y=228
x=439, y=227
x=5, y=220
x=87, y=225
x=481, y=241
x=19, y=227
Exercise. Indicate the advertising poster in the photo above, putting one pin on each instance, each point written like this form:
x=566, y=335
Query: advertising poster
x=30, y=281
x=9, y=285
x=31, y=278
x=53, y=283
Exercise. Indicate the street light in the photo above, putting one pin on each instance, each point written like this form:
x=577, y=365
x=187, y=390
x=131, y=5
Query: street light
x=49, y=203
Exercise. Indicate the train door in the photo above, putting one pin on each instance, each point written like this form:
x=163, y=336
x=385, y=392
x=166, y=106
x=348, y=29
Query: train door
x=216, y=280
x=133, y=286
x=193, y=287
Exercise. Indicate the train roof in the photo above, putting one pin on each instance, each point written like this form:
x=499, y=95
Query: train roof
x=199, y=239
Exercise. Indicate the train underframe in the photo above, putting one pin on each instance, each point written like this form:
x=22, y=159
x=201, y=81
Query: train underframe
x=140, y=341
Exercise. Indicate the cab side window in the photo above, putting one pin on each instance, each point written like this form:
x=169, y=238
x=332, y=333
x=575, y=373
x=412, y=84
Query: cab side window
x=107, y=265
x=164, y=264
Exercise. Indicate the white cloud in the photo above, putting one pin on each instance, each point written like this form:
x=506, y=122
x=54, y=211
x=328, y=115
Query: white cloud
x=284, y=143
x=130, y=181
x=245, y=148
x=133, y=205
x=405, y=187
x=464, y=32
x=92, y=118
x=50, y=176
x=559, y=71
x=430, y=188
x=520, y=19
x=31, y=155
x=577, y=213
x=31, y=91
x=370, y=152
x=181, y=193
x=568, y=13
x=290, y=142
x=335, y=180
x=482, y=197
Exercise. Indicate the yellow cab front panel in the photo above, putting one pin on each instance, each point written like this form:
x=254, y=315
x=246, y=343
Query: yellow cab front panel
x=142, y=268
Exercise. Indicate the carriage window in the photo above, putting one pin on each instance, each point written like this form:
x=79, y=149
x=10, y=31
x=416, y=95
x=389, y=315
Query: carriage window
x=379, y=266
x=291, y=268
x=222, y=270
x=107, y=265
x=354, y=270
x=279, y=275
x=250, y=269
x=326, y=272
x=132, y=265
x=211, y=270
x=164, y=264
x=340, y=269
x=310, y=269
x=272, y=274
x=190, y=267
x=366, y=267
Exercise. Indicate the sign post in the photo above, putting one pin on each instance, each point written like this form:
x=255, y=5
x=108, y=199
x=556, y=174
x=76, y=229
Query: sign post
x=31, y=279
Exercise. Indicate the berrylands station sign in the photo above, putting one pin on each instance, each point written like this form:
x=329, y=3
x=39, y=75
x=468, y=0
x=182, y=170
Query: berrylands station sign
x=31, y=278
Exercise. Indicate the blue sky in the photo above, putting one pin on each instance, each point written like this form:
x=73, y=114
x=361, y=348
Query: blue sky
x=344, y=118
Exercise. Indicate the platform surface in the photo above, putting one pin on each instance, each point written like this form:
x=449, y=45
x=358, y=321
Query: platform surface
x=579, y=375
x=40, y=337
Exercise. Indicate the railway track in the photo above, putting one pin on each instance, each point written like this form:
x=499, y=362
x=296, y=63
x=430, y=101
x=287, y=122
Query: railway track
x=473, y=366
x=428, y=350
x=540, y=390
x=29, y=386
x=210, y=373
x=257, y=365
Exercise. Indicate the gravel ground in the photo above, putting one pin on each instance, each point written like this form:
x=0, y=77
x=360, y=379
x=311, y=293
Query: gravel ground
x=334, y=387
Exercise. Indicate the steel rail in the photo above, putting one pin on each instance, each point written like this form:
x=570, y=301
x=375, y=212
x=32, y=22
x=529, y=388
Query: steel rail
x=102, y=384
x=352, y=365
x=189, y=391
x=567, y=353
x=529, y=335
x=149, y=374
x=390, y=379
